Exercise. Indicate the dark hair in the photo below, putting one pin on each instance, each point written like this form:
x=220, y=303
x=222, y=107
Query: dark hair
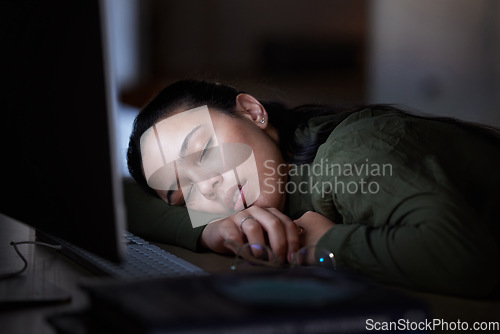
x=189, y=94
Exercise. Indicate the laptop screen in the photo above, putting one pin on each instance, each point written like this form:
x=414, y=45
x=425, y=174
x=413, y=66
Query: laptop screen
x=58, y=167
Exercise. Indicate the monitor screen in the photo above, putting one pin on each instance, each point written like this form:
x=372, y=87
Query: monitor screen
x=58, y=171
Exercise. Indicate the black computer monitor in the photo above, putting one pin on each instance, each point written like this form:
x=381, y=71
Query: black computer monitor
x=58, y=167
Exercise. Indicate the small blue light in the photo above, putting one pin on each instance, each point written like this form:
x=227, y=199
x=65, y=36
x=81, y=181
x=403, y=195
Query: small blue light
x=321, y=259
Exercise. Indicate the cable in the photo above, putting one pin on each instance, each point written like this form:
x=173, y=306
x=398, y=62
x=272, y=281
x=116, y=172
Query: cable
x=14, y=244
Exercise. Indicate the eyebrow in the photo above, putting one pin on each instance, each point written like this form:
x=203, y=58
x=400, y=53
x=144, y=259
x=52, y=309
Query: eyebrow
x=185, y=143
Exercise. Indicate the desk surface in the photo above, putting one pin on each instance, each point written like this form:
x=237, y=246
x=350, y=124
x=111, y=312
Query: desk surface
x=47, y=267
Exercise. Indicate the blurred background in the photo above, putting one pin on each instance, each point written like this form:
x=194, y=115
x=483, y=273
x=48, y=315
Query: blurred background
x=439, y=57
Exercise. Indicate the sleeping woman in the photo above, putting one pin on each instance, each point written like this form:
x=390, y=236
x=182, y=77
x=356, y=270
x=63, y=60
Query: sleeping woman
x=404, y=199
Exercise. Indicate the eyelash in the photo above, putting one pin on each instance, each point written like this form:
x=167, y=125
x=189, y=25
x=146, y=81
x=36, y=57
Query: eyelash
x=186, y=199
x=204, y=152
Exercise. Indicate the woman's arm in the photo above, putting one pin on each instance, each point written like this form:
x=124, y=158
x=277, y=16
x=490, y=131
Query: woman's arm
x=154, y=220
x=415, y=228
x=429, y=244
x=151, y=218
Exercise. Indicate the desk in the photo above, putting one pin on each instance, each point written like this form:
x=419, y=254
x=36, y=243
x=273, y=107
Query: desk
x=47, y=264
x=47, y=267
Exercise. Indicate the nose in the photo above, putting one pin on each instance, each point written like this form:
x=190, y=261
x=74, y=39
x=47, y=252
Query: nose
x=208, y=187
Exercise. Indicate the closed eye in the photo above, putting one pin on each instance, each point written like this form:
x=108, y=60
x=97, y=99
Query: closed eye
x=188, y=195
x=205, y=150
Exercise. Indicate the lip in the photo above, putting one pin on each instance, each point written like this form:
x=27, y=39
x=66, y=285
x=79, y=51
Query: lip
x=240, y=199
x=229, y=197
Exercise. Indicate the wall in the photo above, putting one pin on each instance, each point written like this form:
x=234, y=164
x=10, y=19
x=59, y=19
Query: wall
x=441, y=57
x=293, y=50
x=122, y=22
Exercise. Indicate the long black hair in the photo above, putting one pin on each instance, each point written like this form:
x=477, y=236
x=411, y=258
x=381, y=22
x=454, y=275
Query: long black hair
x=189, y=94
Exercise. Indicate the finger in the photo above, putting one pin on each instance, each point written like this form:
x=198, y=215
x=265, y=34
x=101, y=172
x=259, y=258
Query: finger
x=254, y=234
x=291, y=231
x=276, y=232
x=257, y=254
x=232, y=238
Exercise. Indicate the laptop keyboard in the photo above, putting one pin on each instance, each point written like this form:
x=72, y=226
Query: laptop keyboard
x=142, y=260
x=145, y=259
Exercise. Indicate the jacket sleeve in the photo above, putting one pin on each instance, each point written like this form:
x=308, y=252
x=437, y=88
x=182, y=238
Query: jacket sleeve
x=151, y=218
x=411, y=228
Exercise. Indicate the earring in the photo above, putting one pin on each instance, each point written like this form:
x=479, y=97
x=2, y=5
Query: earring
x=263, y=120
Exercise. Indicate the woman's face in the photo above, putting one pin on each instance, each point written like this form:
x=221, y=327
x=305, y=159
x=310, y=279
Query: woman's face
x=213, y=162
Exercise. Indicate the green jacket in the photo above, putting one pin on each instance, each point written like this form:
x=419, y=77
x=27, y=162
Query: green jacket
x=415, y=202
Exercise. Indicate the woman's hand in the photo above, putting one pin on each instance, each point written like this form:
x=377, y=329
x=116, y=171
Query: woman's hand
x=314, y=225
x=254, y=225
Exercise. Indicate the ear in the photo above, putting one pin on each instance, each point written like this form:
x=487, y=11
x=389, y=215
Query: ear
x=248, y=106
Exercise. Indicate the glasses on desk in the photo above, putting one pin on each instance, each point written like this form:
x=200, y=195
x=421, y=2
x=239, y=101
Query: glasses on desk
x=251, y=255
